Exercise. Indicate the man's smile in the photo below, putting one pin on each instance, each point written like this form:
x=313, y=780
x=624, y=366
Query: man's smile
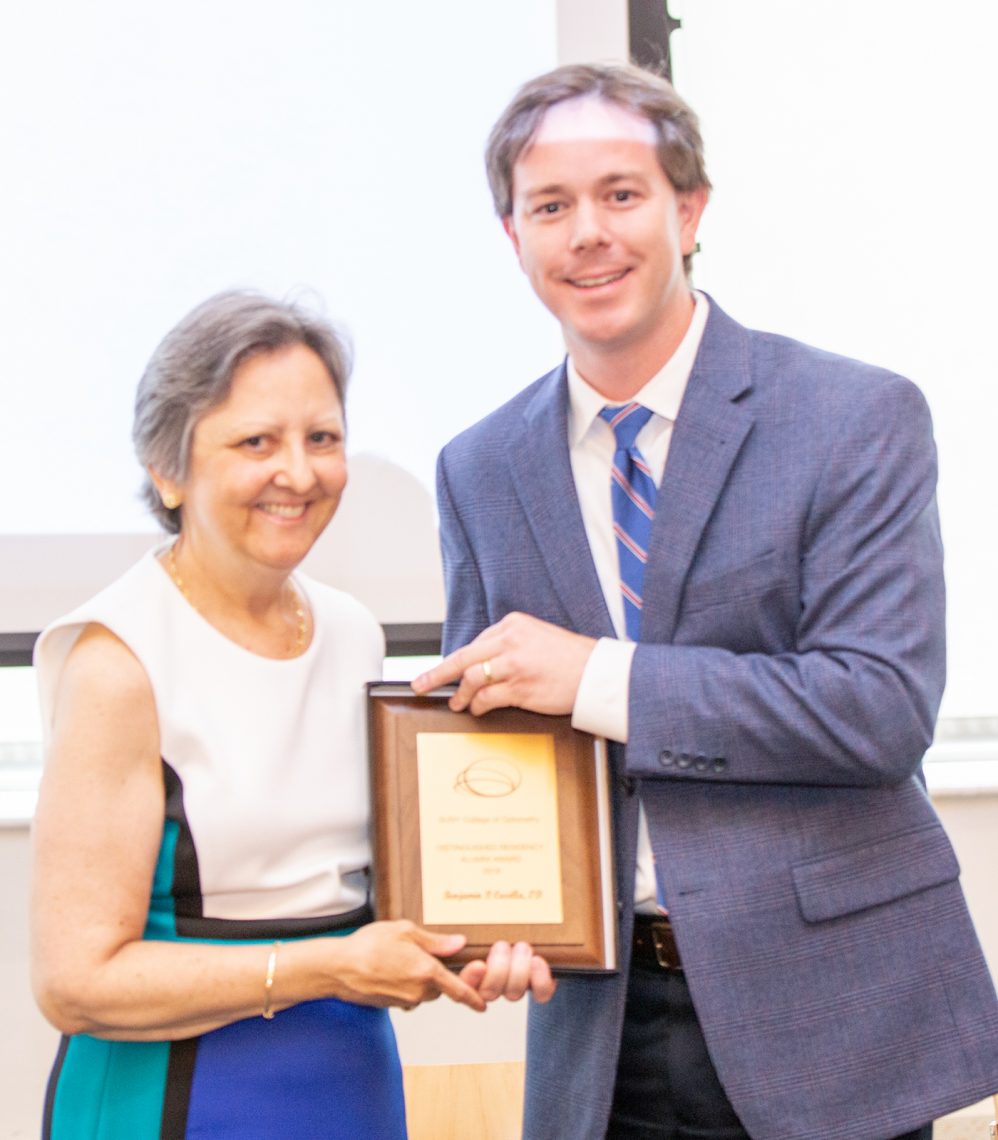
x=595, y=282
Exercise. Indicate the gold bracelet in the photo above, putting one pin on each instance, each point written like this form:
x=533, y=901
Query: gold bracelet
x=268, y=985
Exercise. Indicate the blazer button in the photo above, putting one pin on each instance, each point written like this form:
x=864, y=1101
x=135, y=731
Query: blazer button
x=719, y=763
x=665, y=758
x=685, y=760
x=701, y=762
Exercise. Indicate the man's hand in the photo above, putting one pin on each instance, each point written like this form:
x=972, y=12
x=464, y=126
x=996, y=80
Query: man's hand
x=520, y=662
x=510, y=972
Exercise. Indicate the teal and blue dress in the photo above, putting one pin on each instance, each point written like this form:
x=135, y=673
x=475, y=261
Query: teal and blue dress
x=265, y=836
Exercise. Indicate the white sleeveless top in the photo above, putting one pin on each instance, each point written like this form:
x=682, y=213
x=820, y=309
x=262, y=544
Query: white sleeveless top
x=266, y=758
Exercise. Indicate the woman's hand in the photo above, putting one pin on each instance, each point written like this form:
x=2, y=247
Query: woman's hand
x=398, y=963
x=510, y=972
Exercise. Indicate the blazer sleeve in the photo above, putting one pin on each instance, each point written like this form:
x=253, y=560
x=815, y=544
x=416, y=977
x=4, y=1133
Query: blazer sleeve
x=854, y=703
x=467, y=613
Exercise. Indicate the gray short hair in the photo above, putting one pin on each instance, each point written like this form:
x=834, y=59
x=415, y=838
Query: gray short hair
x=680, y=147
x=192, y=368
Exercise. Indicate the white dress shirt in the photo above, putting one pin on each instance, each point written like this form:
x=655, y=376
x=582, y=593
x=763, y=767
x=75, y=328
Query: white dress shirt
x=602, y=699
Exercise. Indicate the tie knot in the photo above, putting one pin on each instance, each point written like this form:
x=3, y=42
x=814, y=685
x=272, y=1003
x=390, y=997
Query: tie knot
x=626, y=420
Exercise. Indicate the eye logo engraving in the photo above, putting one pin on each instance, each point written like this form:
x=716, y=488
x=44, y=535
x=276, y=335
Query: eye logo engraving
x=491, y=778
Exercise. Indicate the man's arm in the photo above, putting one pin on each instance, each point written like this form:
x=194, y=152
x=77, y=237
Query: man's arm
x=856, y=702
x=467, y=608
x=853, y=703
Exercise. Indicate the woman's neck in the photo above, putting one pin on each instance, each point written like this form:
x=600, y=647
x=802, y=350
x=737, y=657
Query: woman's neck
x=264, y=613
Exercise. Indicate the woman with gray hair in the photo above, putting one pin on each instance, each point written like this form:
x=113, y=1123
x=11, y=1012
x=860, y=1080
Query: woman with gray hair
x=201, y=928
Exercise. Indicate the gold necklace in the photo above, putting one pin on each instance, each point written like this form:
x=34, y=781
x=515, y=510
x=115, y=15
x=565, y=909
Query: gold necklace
x=297, y=602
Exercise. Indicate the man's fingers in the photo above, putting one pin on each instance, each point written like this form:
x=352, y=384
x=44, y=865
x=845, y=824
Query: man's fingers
x=518, y=979
x=510, y=972
x=446, y=673
x=507, y=972
x=520, y=662
x=490, y=697
x=542, y=984
x=455, y=666
x=473, y=665
x=478, y=677
x=473, y=973
x=497, y=965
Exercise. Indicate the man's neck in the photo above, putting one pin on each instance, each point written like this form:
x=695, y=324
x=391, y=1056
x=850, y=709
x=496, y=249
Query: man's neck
x=619, y=371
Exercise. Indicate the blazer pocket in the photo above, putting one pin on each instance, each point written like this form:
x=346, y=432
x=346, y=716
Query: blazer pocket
x=874, y=873
x=738, y=583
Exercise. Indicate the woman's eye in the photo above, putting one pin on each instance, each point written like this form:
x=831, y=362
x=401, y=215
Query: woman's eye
x=253, y=442
x=324, y=438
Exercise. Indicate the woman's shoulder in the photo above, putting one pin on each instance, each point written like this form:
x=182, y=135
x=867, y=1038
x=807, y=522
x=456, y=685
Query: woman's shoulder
x=102, y=663
x=101, y=694
x=99, y=633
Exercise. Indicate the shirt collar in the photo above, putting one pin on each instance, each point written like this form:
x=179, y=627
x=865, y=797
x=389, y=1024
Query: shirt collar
x=662, y=394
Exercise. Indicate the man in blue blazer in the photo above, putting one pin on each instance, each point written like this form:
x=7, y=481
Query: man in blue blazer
x=797, y=958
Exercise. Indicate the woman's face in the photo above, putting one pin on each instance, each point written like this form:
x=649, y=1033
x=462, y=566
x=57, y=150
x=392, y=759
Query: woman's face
x=268, y=466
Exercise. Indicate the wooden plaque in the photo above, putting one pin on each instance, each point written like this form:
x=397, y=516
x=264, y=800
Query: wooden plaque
x=497, y=827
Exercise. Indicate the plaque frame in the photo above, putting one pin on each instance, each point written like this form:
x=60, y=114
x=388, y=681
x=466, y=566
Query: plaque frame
x=586, y=938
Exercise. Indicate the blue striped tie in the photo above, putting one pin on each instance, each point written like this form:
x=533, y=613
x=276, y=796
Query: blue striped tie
x=632, y=493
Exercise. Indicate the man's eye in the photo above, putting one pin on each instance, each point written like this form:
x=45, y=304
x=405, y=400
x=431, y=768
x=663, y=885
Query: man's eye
x=549, y=208
x=324, y=438
x=623, y=195
x=253, y=442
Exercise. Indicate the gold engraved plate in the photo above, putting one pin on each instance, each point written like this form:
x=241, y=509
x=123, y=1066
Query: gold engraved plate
x=488, y=815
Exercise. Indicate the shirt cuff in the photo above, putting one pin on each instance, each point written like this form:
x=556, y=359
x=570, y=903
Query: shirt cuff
x=601, y=702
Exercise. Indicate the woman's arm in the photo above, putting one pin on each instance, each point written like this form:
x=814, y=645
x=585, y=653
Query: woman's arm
x=97, y=834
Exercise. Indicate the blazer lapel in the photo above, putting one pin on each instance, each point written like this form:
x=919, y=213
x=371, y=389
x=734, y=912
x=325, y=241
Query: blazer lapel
x=542, y=476
x=709, y=432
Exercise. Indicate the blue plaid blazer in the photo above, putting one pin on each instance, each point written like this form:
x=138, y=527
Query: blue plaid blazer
x=781, y=699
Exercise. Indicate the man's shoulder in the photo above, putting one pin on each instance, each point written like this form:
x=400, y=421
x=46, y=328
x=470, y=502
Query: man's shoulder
x=787, y=371
x=778, y=354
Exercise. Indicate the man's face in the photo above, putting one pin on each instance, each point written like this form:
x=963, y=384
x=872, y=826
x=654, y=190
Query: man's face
x=600, y=231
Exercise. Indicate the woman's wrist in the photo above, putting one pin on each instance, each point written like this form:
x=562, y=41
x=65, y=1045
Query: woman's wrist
x=268, y=984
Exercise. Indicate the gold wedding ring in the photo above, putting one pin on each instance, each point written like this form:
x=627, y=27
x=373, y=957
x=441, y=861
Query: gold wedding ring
x=487, y=671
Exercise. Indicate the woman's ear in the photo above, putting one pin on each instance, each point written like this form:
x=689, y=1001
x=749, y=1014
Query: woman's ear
x=168, y=490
